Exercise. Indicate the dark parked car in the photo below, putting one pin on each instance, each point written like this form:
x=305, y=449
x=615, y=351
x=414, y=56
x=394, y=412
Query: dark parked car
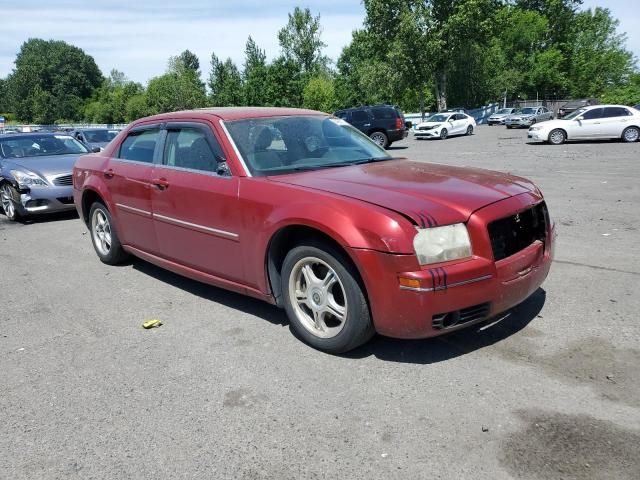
x=384, y=124
x=574, y=105
x=637, y=107
x=300, y=209
x=35, y=173
x=95, y=138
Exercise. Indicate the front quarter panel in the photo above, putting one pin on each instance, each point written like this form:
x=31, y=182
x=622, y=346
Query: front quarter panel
x=87, y=177
x=270, y=206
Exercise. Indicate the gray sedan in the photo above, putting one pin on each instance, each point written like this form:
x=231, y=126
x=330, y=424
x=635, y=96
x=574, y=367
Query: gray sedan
x=528, y=116
x=35, y=173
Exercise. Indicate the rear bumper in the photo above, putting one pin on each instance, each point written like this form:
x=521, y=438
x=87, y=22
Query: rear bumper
x=395, y=135
x=474, y=290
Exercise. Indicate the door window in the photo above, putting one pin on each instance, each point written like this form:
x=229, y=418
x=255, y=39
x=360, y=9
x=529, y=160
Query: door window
x=189, y=148
x=615, y=112
x=139, y=146
x=359, y=116
x=592, y=114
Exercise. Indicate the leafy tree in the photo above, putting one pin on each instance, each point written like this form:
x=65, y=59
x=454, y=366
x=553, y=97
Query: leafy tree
x=225, y=83
x=300, y=41
x=190, y=60
x=51, y=80
x=598, y=58
x=626, y=94
x=178, y=89
x=319, y=94
x=109, y=102
x=285, y=84
x=254, y=74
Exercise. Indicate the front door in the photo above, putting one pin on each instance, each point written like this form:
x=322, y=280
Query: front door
x=589, y=125
x=127, y=176
x=195, y=203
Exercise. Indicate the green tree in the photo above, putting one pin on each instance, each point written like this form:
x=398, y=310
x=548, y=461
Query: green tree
x=51, y=80
x=625, y=94
x=254, y=74
x=285, y=84
x=598, y=58
x=190, y=60
x=319, y=94
x=108, y=102
x=301, y=41
x=178, y=89
x=225, y=83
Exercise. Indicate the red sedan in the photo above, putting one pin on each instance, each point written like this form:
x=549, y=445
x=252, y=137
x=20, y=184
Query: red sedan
x=301, y=210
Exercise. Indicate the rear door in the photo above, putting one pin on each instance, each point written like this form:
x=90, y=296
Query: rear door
x=614, y=121
x=195, y=203
x=128, y=178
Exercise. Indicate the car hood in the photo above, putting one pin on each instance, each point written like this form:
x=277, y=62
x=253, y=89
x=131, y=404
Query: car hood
x=44, y=166
x=429, y=194
x=500, y=115
x=430, y=124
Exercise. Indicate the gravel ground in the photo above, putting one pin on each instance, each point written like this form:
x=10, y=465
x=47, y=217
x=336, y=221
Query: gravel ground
x=223, y=390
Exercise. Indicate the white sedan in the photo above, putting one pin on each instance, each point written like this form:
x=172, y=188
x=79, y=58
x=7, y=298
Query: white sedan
x=590, y=123
x=443, y=125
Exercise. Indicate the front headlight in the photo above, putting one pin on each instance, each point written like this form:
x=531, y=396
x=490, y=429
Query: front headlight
x=440, y=244
x=27, y=179
x=438, y=125
x=535, y=128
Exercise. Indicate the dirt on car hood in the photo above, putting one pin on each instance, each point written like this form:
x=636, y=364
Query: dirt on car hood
x=430, y=194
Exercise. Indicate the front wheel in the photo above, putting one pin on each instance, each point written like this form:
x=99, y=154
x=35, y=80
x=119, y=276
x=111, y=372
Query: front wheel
x=469, y=130
x=631, y=134
x=103, y=235
x=557, y=137
x=380, y=139
x=444, y=134
x=9, y=197
x=324, y=300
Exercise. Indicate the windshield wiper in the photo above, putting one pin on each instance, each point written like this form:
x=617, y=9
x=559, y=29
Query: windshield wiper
x=343, y=164
x=373, y=160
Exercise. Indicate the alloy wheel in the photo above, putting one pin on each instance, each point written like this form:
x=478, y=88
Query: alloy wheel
x=444, y=134
x=378, y=139
x=6, y=196
x=101, y=231
x=318, y=297
x=631, y=134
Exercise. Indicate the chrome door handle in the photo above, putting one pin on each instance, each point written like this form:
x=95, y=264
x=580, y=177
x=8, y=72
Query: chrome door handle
x=109, y=173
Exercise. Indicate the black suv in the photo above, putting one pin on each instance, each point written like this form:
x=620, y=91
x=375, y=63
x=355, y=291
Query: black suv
x=574, y=105
x=383, y=123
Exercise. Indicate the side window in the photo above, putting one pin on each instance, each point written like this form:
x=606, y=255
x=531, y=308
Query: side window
x=342, y=115
x=593, y=114
x=615, y=112
x=139, y=146
x=460, y=116
x=359, y=116
x=189, y=148
x=383, y=113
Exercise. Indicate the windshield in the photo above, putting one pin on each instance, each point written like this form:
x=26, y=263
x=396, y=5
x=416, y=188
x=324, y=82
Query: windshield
x=36, y=146
x=438, y=118
x=278, y=145
x=97, y=136
x=528, y=111
x=575, y=114
x=503, y=111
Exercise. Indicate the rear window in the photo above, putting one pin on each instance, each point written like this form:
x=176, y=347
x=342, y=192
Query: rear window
x=139, y=146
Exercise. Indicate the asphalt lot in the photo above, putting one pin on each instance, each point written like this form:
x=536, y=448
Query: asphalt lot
x=223, y=390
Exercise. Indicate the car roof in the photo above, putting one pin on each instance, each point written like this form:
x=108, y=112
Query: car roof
x=8, y=136
x=230, y=113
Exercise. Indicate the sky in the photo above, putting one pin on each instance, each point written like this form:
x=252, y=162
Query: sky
x=138, y=36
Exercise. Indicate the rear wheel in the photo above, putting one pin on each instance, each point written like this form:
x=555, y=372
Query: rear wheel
x=444, y=133
x=9, y=197
x=470, y=130
x=631, y=134
x=380, y=139
x=103, y=235
x=509, y=127
x=557, y=137
x=324, y=300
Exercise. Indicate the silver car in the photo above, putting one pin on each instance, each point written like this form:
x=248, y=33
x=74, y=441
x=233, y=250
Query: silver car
x=528, y=116
x=35, y=173
x=499, y=117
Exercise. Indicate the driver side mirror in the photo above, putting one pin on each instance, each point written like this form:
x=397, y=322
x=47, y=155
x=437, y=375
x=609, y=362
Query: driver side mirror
x=96, y=150
x=579, y=119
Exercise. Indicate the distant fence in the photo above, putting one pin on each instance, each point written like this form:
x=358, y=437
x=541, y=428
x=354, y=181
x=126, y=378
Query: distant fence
x=63, y=126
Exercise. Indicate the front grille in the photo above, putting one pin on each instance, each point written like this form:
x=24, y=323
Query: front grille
x=456, y=318
x=63, y=181
x=425, y=128
x=515, y=233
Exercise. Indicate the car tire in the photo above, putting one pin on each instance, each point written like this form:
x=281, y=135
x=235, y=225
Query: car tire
x=509, y=127
x=380, y=139
x=557, y=137
x=469, y=130
x=334, y=318
x=9, y=199
x=631, y=134
x=444, y=133
x=104, y=236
